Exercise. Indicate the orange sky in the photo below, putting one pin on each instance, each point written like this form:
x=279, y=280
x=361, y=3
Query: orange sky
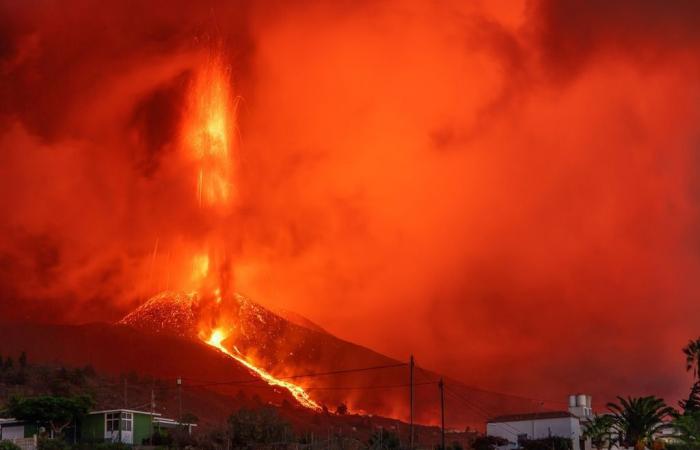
x=506, y=189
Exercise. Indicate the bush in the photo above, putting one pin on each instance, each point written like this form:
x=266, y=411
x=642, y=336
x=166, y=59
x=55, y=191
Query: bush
x=7, y=445
x=102, y=446
x=550, y=443
x=52, y=444
x=488, y=442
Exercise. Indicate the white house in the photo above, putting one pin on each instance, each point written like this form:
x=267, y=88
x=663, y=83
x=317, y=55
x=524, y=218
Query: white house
x=542, y=424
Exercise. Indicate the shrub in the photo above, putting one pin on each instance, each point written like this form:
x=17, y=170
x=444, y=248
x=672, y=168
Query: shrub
x=7, y=445
x=52, y=444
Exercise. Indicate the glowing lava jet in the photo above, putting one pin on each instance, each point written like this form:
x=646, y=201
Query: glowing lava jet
x=207, y=142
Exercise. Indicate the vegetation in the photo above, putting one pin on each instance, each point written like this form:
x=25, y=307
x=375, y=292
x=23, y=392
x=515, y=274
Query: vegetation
x=56, y=412
x=488, y=442
x=692, y=357
x=342, y=409
x=52, y=444
x=549, y=443
x=636, y=420
x=599, y=431
x=7, y=445
x=692, y=403
x=688, y=429
x=248, y=427
x=383, y=439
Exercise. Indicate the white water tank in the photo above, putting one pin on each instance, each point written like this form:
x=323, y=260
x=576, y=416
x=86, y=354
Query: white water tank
x=581, y=400
x=580, y=405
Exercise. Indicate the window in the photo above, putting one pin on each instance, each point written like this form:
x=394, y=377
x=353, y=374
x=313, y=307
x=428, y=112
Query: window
x=112, y=421
x=127, y=420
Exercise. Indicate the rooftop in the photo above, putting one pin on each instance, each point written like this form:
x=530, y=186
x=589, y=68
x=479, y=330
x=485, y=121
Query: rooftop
x=104, y=411
x=532, y=416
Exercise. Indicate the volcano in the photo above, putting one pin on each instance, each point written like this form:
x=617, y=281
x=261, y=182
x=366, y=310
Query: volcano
x=160, y=339
x=293, y=348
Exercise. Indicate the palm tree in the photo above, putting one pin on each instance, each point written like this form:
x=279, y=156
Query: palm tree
x=692, y=357
x=599, y=431
x=637, y=419
x=688, y=429
x=692, y=404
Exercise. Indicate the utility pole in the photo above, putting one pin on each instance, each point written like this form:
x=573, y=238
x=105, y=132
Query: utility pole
x=126, y=399
x=179, y=398
x=411, y=365
x=153, y=411
x=442, y=411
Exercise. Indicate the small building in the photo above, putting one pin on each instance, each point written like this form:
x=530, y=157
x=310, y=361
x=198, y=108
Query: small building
x=22, y=434
x=11, y=429
x=127, y=426
x=543, y=424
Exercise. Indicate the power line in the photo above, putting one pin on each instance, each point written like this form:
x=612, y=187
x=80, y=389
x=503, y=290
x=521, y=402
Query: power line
x=305, y=375
x=386, y=386
x=488, y=391
x=487, y=415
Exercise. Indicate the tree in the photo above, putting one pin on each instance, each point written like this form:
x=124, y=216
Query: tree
x=23, y=361
x=599, y=431
x=263, y=426
x=692, y=403
x=688, y=429
x=57, y=412
x=189, y=417
x=692, y=356
x=382, y=439
x=637, y=419
x=342, y=409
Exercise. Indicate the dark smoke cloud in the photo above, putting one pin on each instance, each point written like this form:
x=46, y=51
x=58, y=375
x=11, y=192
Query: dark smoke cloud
x=508, y=192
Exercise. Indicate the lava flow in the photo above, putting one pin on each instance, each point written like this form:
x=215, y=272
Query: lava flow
x=207, y=143
x=216, y=339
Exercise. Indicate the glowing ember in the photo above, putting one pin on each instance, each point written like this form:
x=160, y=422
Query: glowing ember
x=216, y=339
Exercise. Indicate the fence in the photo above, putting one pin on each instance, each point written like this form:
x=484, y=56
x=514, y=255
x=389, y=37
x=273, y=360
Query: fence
x=25, y=443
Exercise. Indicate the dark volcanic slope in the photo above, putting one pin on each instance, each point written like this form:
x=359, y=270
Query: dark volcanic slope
x=119, y=349
x=280, y=346
x=285, y=348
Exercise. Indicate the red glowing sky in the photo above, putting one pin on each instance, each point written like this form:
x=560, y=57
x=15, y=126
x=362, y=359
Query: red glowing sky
x=506, y=189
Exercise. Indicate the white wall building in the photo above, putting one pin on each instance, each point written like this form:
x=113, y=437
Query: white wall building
x=539, y=425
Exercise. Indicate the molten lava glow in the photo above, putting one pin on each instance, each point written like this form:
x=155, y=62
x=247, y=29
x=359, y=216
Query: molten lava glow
x=216, y=339
x=207, y=134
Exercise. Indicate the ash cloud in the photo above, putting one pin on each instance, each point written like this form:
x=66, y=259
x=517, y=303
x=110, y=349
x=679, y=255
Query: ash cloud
x=510, y=185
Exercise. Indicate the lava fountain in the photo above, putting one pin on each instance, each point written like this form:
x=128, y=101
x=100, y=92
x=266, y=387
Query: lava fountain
x=207, y=143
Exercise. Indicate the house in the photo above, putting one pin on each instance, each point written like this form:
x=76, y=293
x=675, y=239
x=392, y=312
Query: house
x=543, y=424
x=11, y=429
x=22, y=434
x=127, y=426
